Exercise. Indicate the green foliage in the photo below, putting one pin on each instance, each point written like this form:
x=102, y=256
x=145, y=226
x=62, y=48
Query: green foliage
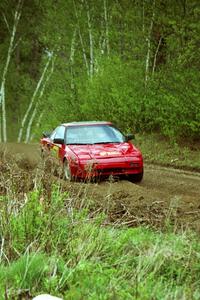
x=65, y=252
x=162, y=151
x=114, y=91
x=25, y=272
x=145, y=78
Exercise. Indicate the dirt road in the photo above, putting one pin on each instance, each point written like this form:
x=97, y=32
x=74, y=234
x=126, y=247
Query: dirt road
x=165, y=196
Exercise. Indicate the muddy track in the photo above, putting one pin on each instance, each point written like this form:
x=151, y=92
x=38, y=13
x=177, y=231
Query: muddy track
x=165, y=197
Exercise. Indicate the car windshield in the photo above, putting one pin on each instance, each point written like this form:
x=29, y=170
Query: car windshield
x=93, y=134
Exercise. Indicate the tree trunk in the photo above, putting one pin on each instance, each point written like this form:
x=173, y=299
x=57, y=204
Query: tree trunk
x=91, y=41
x=30, y=123
x=71, y=58
x=102, y=42
x=156, y=54
x=81, y=40
x=149, y=45
x=33, y=99
x=107, y=29
x=5, y=70
x=37, y=124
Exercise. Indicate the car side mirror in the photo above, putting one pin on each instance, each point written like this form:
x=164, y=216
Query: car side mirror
x=46, y=134
x=58, y=141
x=129, y=137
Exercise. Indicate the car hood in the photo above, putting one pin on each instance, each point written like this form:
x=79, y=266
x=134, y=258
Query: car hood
x=100, y=151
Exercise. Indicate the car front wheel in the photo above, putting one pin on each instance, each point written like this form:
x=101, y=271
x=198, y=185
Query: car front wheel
x=136, y=177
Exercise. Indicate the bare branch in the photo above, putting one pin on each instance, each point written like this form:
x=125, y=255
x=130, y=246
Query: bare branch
x=6, y=21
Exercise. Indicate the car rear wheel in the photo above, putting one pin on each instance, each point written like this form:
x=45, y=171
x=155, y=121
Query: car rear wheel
x=67, y=171
x=136, y=177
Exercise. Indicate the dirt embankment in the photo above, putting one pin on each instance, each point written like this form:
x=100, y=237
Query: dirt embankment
x=165, y=197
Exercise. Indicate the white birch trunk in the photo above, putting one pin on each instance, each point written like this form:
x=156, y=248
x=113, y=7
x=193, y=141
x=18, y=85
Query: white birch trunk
x=147, y=61
x=28, y=130
x=149, y=46
x=33, y=99
x=102, y=41
x=5, y=70
x=30, y=123
x=81, y=40
x=91, y=42
x=107, y=28
x=37, y=124
x=156, y=54
x=72, y=50
x=4, y=124
x=84, y=52
x=71, y=58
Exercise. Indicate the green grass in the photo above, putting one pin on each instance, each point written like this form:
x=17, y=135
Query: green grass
x=160, y=150
x=50, y=247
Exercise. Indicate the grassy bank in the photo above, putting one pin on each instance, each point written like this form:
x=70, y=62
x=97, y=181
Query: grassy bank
x=58, y=238
x=159, y=150
x=49, y=246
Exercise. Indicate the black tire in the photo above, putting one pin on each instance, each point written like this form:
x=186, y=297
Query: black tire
x=136, y=177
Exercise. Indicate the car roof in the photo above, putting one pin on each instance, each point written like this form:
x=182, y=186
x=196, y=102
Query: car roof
x=88, y=123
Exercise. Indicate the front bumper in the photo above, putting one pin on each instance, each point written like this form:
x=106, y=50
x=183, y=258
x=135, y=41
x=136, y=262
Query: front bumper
x=107, y=167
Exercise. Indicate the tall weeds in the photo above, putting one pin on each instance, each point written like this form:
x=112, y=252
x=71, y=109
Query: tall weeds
x=55, y=239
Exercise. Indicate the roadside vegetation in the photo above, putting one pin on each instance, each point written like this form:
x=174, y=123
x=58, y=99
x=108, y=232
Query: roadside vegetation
x=56, y=239
x=48, y=246
x=163, y=151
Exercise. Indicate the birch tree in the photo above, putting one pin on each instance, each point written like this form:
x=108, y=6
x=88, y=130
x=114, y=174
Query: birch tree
x=81, y=39
x=91, y=72
x=155, y=55
x=35, y=110
x=71, y=58
x=149, y=45
x=106, y=26
x=38, y=123
x=32, y=100
x=3, y=121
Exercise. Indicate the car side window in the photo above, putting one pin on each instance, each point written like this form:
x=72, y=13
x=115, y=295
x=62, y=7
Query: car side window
x=52, y=136
x=60, y=131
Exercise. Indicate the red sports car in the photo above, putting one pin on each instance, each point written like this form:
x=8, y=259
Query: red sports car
x=89, y=150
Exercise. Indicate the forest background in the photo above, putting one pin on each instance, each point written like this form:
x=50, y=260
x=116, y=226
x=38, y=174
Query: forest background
x=135, y=63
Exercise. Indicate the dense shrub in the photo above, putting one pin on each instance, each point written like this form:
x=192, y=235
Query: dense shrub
x=117, y=93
